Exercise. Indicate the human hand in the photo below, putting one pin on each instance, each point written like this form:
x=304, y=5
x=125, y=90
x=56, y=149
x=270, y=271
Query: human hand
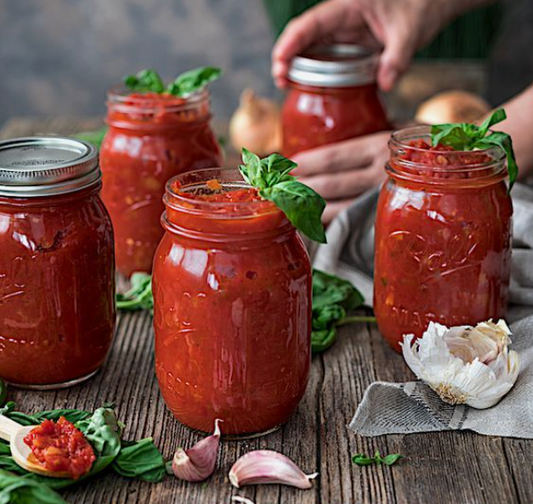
x=341, y=171
x=399, y=26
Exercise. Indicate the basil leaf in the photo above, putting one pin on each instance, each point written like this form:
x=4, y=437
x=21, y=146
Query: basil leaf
x=302, y=206
x=72, y=415
x=322, y=317
x=139, y=296
x=193, y=80
x=252, y=170
x=140, y=459
x=504, y=142
x=322, y=340
x=95, y=137
x=361, y=459
x=467, y=137
x=391, y=459
x=19, y=490
x=146, y=80
x=330, y=289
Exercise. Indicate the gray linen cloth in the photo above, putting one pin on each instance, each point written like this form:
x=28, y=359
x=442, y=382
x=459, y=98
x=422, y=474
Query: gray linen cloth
x=403, y=408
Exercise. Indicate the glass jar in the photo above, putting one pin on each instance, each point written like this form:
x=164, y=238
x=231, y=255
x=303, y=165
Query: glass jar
x=332, y=96
x=57, y=273
x=151, y=138
x=232, y=292
x=443, y=237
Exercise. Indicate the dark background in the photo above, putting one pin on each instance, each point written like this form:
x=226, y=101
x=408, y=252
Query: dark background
x=58, y=57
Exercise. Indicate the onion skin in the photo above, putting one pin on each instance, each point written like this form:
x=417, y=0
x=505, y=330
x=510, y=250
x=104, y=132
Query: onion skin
x=256, y=125
x=452, y=107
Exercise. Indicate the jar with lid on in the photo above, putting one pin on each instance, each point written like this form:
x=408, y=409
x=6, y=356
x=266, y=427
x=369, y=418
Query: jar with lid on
x=57, y=273
x=232, y=306
x=333, y=96
x=443, y=237
x=151, y=138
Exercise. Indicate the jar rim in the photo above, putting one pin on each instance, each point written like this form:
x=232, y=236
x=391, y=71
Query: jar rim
x=120, y=97
x=215, y=209
x=399, y=143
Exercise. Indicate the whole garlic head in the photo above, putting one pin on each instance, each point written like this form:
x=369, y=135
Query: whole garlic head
x=464, y=364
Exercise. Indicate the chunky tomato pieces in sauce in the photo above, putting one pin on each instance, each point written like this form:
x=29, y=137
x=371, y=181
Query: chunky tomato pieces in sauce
x=60, y=447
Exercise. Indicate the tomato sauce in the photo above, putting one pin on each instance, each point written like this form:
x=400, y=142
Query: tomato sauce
x=60, y=447
x=151, y=138
x=443, y=238
x=331, y=98
x=232, y=315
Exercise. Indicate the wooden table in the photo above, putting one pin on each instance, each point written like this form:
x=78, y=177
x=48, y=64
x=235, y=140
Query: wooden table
x=448, y=467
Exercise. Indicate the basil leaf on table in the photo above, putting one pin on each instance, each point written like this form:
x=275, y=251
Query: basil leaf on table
x=145, y=81
x=193, y=80
x=468, y=137
x=361, y=459
x=141, y=460
x=18, y=490
x=139, y=296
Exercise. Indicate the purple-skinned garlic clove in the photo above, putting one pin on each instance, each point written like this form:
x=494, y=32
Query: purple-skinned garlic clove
x=198, y=463
x=267, y=466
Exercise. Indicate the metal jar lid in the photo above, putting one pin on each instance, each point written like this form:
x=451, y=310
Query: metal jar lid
x=46, y=166
x=336, y=65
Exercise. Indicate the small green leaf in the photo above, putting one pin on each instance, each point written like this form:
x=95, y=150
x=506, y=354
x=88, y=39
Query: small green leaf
x=361, y=459
x=145, y=81
x=140, y=296
x=391, y=459
x=302, y=206
x=504, y=142
x=496, y=117
x=193, y=80
x=141, y=460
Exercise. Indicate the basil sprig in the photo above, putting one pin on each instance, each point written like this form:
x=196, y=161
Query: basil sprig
x=185, y=84
x=301, y=204
x=361, y=459
x=468, y=137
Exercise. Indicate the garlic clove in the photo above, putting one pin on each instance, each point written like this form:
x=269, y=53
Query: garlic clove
x=267, y=466
x=464, y=364
x=198, y=463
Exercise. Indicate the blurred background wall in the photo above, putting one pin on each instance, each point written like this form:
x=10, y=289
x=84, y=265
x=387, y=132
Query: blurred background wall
x=58, y=57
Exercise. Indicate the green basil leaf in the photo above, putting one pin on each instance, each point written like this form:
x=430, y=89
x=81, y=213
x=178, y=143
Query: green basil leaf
x=193, y=80
x=322, y=340
x=454, y=135
x=361, y=459
x=145, y=81
x=20, y=490
x=330, y=289
x=142, y=460
x=391, y=459
x=252, y=170
x=496, y=117
x=139, y=296
x=325, y=317
x=301, y=205
x=504, y=142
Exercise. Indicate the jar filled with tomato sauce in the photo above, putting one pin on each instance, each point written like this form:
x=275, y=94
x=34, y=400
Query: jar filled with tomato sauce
x=443, y=237
x=333, y=96
x=152, y=137
x=57, y=271
x=232, y=315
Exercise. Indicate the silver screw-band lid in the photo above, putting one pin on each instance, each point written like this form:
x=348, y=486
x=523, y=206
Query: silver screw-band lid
x=336, y=65
x=46, y=166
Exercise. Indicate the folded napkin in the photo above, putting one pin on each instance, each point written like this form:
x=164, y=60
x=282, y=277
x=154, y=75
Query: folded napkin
x=405, y=408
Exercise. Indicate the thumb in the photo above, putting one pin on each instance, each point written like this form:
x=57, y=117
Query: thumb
x=394, y=60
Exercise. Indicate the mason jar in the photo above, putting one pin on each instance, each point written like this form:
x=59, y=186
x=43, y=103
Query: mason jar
x=333, y=96
x=151, y=138
x=57, y=272
x=443, y=237
x=232, y=306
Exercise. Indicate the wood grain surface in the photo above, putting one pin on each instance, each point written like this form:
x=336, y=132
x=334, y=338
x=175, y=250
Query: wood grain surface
x=442, y=468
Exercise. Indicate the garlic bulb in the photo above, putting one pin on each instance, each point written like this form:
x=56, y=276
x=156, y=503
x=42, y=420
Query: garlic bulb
x=267, y=466
x=452, y=106
x=256, y=125
x=464, y=364
x=198, y=462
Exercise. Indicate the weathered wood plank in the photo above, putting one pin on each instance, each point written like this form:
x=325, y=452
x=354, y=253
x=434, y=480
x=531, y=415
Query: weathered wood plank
x=439, y=468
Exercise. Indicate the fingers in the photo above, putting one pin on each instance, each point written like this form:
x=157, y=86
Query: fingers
x=333, y=208
x=395, y=59
x=311, y=27
x=335, y=186
x=341, y=156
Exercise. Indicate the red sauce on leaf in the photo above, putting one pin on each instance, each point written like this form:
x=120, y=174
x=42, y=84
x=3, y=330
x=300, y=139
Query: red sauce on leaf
x=60, y=447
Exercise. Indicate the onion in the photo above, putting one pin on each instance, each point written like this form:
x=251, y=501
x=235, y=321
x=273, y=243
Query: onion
x=256, y=125
x=452, y=107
